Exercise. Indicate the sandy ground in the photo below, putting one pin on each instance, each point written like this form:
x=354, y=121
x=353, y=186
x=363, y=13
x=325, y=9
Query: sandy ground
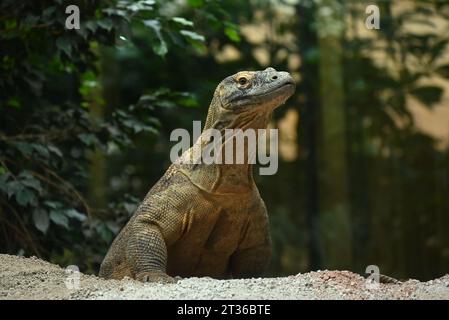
x=32, y=278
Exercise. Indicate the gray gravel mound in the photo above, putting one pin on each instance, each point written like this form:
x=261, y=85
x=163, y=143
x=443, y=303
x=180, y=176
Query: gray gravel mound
x=32, y=278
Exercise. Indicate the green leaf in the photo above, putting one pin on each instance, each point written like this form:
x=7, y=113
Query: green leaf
x=196, y=3
x=428, y=95
x=160, y=46
x=105, y=24
x=130, y=207
x=189, y=102
x=192, y=35
x=41, y=150
x=166, y=104
x=154, y=24
x=113, y=226
x=25, y=196
x=41, y=220
x=4, y=181
x=161, y=91
x=145, y=5
x=212, y=20
x=14, y=102
x=25, y=148
x=13, y=187
x=232, y=34
x=55, y=150
x=104, y=232
x=88, y=139
x=25, y=174
x=52, y=204
x=59, y=218
x=92, y=26
x=183, y=21
x=30, y=181
x=64, y=44
x=137, y=126
x=72, y=213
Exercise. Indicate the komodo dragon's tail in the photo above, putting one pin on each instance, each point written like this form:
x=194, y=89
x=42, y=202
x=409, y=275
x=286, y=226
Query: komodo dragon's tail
x=384, y=279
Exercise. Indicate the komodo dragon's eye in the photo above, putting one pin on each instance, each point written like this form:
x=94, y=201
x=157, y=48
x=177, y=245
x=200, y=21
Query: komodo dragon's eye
x=242, y=81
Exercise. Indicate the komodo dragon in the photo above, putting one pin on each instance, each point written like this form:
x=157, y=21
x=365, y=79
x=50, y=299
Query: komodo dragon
x=205, y=220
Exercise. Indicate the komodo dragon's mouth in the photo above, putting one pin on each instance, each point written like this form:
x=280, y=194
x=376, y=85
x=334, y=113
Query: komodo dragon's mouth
x=288, y=84
x=283, y=89
x=281, y=85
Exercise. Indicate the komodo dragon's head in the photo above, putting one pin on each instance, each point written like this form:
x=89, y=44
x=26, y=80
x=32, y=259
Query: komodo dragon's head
x=247, y=99
x=243, y=101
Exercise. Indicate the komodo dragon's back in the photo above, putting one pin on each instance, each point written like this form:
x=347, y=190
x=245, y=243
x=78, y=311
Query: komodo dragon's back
x=205, y=219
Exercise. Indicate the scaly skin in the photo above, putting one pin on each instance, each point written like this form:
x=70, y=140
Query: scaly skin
x=205, y=220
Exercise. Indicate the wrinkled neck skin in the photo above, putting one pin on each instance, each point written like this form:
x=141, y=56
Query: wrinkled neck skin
x=223, y=179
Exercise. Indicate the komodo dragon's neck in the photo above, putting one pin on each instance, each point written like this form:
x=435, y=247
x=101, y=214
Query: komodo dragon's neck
x=225, y=178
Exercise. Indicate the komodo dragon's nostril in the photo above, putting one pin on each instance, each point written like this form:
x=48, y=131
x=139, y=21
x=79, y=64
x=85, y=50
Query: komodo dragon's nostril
x=274, y=77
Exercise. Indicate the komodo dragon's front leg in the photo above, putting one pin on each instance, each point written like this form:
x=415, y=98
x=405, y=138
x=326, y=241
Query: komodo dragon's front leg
x=253, y=255
x=147, y=253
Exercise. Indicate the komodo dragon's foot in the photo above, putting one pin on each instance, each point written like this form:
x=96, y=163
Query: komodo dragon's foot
x=156, y=276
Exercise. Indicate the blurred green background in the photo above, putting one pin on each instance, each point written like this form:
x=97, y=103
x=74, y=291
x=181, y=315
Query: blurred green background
x=364, y=143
